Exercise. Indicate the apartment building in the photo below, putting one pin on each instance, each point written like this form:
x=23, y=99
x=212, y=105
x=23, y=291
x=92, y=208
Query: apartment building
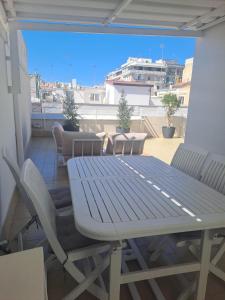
x=141, y=70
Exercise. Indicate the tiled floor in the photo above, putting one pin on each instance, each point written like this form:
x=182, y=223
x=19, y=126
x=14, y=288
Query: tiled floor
x=42, y=152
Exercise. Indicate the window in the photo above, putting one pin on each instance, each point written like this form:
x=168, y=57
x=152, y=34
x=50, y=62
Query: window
x=94, y=97
x=139, y=77
x=181, y=99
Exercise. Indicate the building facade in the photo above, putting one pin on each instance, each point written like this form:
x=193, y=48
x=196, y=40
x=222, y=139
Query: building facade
x=174, y=72
x=183, y=88
x=90, y=94
x=142, y=70
x=136, y=93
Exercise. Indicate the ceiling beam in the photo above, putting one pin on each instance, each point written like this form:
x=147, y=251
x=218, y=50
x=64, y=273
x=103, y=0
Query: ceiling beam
x=197, y=3
x=172, y=9
x=94, y=20
x=98, y=4
x=217, y=12
x=10, y=8
x=3, y=17
x=117, y=11
x=140, y=7
x=157, y=16
x=71, y=15
x=59, y=10
x=211, y=24
x=105, y=29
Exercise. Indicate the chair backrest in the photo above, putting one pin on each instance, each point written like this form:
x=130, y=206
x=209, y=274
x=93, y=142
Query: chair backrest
x=71, y=141
x=213, y=172
x=57, y=130
x=38, y=195
x=189, y=159
x=129, y=143
x=87, y=147
x=15, y=170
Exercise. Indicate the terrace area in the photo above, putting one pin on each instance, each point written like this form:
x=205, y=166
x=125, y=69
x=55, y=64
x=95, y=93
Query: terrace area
x=118, y=199
x=42, y=152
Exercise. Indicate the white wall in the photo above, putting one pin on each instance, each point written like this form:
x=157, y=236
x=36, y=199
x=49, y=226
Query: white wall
x=7, y=124
x=7, y=134
x=25, y=95
x=206, y=117
x=135, y=95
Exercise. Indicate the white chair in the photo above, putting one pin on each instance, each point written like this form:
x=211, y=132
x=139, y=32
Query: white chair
x=61, y=198
x=87, y=147
x=57, y=130
x=15, y=171
x=66, y=242
x=213, y=172
x=213, y=175
x=129, y=143
x=189, y=159
x=81, y=144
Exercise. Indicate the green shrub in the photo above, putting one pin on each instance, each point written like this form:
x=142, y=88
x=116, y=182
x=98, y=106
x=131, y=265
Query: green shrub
x=124, y=112
x=171, y=104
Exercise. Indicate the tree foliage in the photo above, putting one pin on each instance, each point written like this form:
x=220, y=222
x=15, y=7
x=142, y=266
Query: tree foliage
x=70, y=110
x=124, y=112
x=171, y=104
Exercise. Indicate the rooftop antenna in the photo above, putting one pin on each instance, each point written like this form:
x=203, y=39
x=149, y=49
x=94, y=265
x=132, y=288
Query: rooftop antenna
x=162, y=46
x=94, y=74
x=162, y=57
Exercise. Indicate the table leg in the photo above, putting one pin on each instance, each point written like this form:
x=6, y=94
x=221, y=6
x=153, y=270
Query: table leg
x=115, y=272
x=205, y=262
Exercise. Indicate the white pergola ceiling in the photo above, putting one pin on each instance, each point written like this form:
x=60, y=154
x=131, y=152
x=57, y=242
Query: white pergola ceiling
x=171, y=17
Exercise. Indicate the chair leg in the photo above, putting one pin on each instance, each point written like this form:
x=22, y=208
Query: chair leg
x=50, y=261
x=98, y=260
x=131, y=286
x=213, y=268
x=194, y=251
x=219, y=254
x=186, y=294
x=159, y=249
x=86, y=283
x=217, y=272
x=20, y=241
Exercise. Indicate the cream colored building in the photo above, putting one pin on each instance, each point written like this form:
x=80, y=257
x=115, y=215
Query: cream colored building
x=182, y=89
x=90, y=95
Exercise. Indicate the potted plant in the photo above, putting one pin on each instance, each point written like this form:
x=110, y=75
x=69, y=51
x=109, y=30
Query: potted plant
x=70, y=112
x=171, y=104
x=124, y=115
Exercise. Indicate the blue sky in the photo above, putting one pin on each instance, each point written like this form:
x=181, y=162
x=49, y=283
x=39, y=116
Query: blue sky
x=59, y=56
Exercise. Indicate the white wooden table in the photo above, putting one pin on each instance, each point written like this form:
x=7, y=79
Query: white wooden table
x=116, y=198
